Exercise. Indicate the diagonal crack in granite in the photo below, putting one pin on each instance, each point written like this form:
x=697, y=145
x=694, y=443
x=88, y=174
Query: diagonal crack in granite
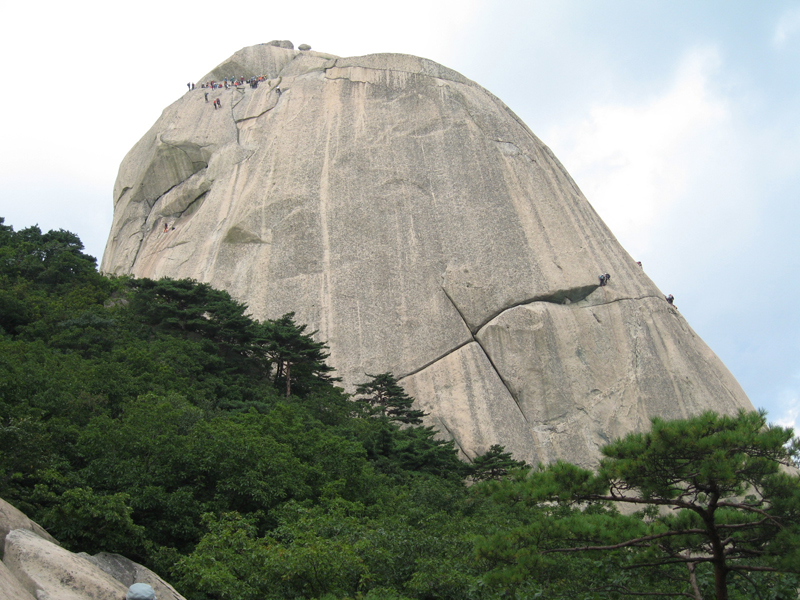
x=556, y=297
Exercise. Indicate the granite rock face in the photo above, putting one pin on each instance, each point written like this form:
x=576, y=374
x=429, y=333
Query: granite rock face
x=413, y=219
x=34, y=566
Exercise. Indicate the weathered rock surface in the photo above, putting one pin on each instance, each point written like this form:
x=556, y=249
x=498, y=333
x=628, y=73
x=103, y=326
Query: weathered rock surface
x=12, y=518
x=128, y=572
x=44, y=568
x=34, y=566
x=412, y=218
x=10, y=588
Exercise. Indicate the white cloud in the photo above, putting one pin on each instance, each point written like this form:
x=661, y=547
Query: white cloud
x=788, y=26
x=635, y=161
x=787, y=408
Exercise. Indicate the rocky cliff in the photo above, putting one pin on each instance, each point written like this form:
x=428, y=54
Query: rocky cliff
x=412, y=218
x=35, y=567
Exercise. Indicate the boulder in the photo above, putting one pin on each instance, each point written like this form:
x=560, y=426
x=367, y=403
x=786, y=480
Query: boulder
x=11, y=588
x=282, y=44
x=128, y=572
x=11, y=518
x=49, y=572
x=410, y=216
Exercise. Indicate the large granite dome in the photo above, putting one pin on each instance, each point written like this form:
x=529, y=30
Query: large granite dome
x=412, y=218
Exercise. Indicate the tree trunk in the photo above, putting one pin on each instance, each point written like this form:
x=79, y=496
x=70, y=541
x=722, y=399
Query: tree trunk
x=288, y=380
x=720, y=582
x=693, y=581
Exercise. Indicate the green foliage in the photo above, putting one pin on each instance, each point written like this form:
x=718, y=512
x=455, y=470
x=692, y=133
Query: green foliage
x=94, y=522
x=298, y=360
x=157, y=419
x=730, y=507
x=384, y=397
x=495, y=463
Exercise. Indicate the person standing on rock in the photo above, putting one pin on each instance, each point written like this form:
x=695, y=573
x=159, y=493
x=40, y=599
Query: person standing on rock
x=607, y=278
x=206, y=96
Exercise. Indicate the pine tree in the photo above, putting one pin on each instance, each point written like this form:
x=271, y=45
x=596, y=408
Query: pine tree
x=297, y=358
x=386, y=398
x=495, y=463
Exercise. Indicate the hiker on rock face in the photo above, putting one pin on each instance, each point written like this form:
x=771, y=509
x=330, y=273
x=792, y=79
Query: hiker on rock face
x=607, y=278
x=604, y=279
x=670, y=300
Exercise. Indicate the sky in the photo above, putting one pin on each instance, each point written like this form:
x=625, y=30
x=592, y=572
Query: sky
x=679, y=121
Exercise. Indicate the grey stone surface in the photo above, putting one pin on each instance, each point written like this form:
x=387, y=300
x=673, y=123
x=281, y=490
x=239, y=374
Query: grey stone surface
x=128, y=572
x=282, y=44
x=10, y=588
x=413, y=219
x=48, y=572
x=304, y=47
x=11, y=518
x=34, y=566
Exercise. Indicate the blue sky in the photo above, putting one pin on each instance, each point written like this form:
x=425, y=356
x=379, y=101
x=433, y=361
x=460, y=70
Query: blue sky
x=680, y=121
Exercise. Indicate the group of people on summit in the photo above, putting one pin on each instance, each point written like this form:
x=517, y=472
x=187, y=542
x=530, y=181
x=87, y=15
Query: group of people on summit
x=228, y=83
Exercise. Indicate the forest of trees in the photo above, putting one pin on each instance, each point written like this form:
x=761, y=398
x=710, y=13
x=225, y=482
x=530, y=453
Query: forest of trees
x=158, y=420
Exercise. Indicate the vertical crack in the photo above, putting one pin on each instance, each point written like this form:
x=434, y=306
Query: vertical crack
x=488, y=357
x=454, y=438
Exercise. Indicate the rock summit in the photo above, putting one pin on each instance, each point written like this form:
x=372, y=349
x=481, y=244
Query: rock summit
x=413, y=219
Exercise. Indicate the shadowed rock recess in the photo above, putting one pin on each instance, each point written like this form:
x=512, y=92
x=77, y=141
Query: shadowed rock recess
x=413, y=219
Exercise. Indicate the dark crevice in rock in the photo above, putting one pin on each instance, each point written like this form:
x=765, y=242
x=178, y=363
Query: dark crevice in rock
x=262, y=113
x=142, y=233
x=452, y=437
x=486, y=354
x=124, y=191
x=622, y=300
x=387, y=70
x=458, y=310
x=152, y=203
x=254, y=116
x=197, y=165
x=194, y=204
x=566, y=296
x=435, y=360
x=515, y=150
x=236, y=99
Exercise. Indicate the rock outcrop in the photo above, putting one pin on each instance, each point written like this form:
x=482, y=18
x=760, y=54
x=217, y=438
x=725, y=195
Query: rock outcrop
x=35, y=567
x=413, y=219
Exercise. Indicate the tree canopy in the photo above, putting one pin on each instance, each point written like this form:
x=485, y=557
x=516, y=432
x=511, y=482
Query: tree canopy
x=159, y=420
x=718, y=492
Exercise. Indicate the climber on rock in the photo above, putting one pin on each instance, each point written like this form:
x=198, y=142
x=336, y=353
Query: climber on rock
x=670, y=300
